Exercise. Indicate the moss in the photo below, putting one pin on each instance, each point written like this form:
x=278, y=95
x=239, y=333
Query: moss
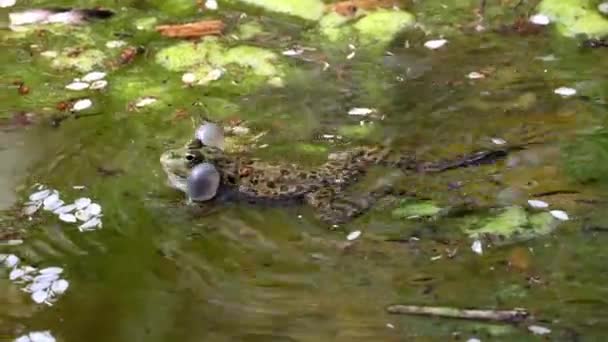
x=512, y=224
x=334, y=27
x=410, y=209
x=305, y=9
x=575, y=17
x=146, y=24
x=85, y=61
x=356, y=131
x=176, y=7
x=249, y=30
x=260, y=61
x=382, y=25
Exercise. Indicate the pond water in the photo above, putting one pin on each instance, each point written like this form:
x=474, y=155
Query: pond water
x=162, y=270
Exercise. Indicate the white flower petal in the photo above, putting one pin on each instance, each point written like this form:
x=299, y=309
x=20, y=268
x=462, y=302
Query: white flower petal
x=113, y=44
x=51, y=270
x=477, y=247
x=41, y=336
x=60, y=286
x=82, y=105
x=83, y=215
x=435, y=44
x=77, y=86
x=540, y=19
x=39, y=286
x=211, y=5
x=539, y=330
x=94, y=209
x=188, y=78
x=11, y=261
x=7, y=3
x=69, y=218
x=101, y=84
x=16, y=273
x=82, y=202
x=40, y=195
x=90, y=224
x=93, y=76
x=360, y=111
x=538, y=204
x=292, y=52
x=498, y=141
x=560, y=215
x=565, y=91
x=40, y=296
x=65, y=209
x=46, y=277
x=353, y=235
x=145, y=101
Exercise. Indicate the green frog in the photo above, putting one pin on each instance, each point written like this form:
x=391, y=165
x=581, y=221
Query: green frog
x=204, y=172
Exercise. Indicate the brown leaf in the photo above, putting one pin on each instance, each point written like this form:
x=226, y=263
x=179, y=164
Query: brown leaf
x=349, y=8
x=192, y=30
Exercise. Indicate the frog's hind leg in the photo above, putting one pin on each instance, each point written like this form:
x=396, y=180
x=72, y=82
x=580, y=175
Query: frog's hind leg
x=336, y=207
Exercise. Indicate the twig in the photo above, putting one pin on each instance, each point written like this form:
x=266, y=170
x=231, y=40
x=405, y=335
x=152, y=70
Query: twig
x=510, y=316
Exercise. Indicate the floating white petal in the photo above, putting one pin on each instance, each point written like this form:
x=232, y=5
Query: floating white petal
x=40, y=195
x=77, y=86
x=211, y=5
x=94, y=76
x=603, y=7
x=475, y=75
x=353, y=235
x=435, y=44
x=82, y=202
x=82, y=105
x=498, y=141
x=565, y=91
x=292, y=52
x=41, y=336
x=560, y=215
x=351, y=55
x=60, y=286
x=51, y=270
x=188, y=78
x=359, y=111
x=101, y=84
x=11, y=260
x=477, y=247
x=540, y=19
x=113, y=44
x=538, y=204
x=40, y=296
x=39, y=286
x=90, y=224
x=46, y=277
x=7, y=3
x=16, y=273
x=65, y=209
x=83, y=215
x=49, y=54
x=539, y=330
x=94, y=209
x=145, y=101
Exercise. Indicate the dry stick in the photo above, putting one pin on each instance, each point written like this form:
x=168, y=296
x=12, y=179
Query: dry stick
x=510, y=316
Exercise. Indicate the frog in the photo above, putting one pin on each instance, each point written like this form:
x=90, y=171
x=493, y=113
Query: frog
x=205, y=172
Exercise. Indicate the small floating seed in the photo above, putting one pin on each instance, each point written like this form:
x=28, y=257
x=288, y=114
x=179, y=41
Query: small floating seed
x=188, y=78
x=145, y=101
x=477, y=247
x=113, y=44
x=539, y=330
x=565, y=91
x=211, y=5
x=538, y=204
x=540, y=19
x=94, y=76
x=360, y=111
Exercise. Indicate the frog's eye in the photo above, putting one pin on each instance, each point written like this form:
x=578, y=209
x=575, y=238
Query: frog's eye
x=194, y=157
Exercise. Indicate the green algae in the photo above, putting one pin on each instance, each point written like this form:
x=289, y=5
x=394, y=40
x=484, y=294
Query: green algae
x=83, y=61
x=511, y=224
x=377, y=27
x=249, y=30
x=382, y=25
x=575, y=17
x=146, y=23
x=249, y=64
x=305, y=9
x=415, y=209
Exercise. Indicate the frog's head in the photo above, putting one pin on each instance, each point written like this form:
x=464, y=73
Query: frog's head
x=192, y=170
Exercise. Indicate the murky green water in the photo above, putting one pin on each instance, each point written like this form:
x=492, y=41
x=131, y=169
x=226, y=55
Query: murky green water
x=162, y=271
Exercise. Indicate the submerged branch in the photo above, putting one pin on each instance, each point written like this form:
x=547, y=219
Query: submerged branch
x=510, y=316
x=192, y=30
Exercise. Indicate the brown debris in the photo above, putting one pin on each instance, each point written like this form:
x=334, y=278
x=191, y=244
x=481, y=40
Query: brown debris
x=349, y=8
x=192, y=30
